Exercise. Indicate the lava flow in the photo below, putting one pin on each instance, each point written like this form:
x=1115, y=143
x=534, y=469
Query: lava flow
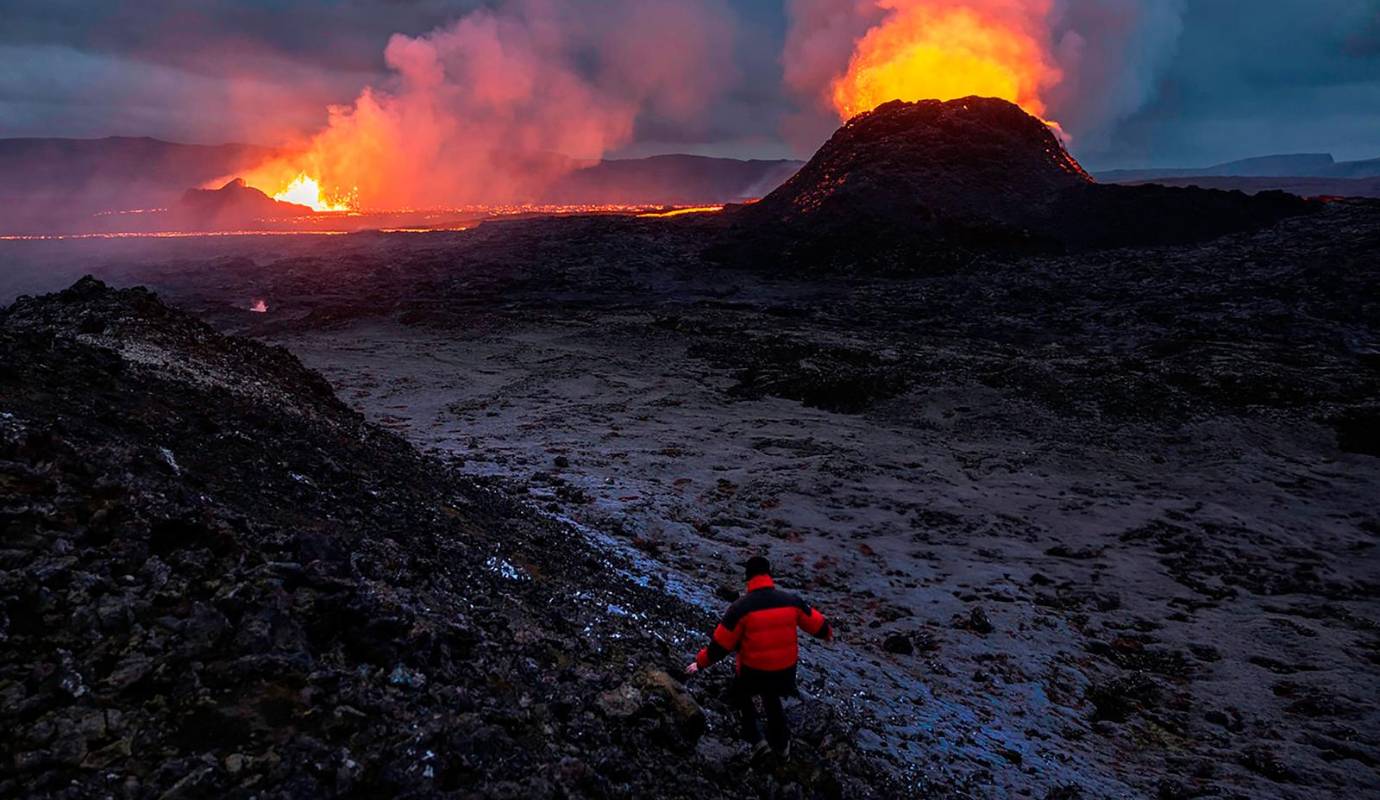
x=947, y=49
x=680, y=212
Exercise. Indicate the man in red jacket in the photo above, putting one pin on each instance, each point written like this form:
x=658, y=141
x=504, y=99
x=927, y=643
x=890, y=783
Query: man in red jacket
x=761, y=627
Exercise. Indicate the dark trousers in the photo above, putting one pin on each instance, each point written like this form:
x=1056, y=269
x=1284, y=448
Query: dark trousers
x=778, y=731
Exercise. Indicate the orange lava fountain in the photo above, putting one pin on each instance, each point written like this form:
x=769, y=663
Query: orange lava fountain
x=306, y=191
x=947, y=49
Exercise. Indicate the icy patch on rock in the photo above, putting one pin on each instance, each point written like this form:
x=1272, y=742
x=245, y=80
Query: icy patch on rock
x=504, y=569
x=170, y=460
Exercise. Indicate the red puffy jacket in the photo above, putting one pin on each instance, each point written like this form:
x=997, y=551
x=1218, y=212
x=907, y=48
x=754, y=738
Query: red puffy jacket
x=761, y=627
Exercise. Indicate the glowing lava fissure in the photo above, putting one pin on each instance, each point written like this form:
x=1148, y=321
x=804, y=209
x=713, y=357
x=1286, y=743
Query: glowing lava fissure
x=306, y=191
x=680, y=212
x=948, y=49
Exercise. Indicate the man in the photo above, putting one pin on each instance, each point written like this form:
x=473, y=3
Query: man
x=761, y=627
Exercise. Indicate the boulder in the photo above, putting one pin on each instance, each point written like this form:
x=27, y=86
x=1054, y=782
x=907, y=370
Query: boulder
x=685, y=712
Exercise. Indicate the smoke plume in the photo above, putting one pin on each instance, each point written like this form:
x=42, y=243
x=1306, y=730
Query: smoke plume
x=1112, y=53
x=496, y=105
x=1086, y=64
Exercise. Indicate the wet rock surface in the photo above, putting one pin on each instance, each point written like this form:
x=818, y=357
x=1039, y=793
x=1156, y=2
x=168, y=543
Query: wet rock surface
x=218, y=580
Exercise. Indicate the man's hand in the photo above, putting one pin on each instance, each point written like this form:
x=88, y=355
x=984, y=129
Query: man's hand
x=692, y=668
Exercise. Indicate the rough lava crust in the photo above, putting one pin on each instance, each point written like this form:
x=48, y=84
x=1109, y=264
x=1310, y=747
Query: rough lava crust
x=217, y=580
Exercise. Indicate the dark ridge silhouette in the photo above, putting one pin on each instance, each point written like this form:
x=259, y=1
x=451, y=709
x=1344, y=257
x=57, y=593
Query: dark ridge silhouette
x=1301, y=186
x=232, y=204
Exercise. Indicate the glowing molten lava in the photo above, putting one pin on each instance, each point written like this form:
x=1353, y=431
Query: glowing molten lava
x=680, y=212
x=306, y=191
x=947, y=49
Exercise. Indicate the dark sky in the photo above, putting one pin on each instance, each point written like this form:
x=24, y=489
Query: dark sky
x=1243, y=77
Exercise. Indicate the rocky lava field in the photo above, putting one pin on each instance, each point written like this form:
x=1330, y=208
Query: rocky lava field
x=218, y=579
x=1091, y=518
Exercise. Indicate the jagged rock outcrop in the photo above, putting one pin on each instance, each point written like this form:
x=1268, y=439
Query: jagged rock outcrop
x=915, y=185
x=218, y=580
x=232, y=204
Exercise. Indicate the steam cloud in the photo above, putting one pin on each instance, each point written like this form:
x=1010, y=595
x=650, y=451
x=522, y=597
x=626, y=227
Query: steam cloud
x=1109, y=53
x=1112, y=53
x=498, y=104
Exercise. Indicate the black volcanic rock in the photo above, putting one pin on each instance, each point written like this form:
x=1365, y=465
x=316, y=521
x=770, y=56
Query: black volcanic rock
x=218, y=580
x=915, y=185
x=1101, y=216
x=1303, y=187
x=975, y=159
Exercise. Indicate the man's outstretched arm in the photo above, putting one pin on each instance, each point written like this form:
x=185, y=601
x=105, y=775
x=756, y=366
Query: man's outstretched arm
x=723, y=642
x=812, y=622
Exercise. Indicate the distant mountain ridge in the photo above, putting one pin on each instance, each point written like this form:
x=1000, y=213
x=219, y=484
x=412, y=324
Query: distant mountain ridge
x=1296, y=165
x=48, y=183
x=51, y=184
x=1303, y=174
x=36, y=165
x=61, y=184
x=673, y=180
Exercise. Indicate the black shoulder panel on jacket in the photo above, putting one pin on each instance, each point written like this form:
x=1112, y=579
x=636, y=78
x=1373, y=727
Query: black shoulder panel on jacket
x=761, y=600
